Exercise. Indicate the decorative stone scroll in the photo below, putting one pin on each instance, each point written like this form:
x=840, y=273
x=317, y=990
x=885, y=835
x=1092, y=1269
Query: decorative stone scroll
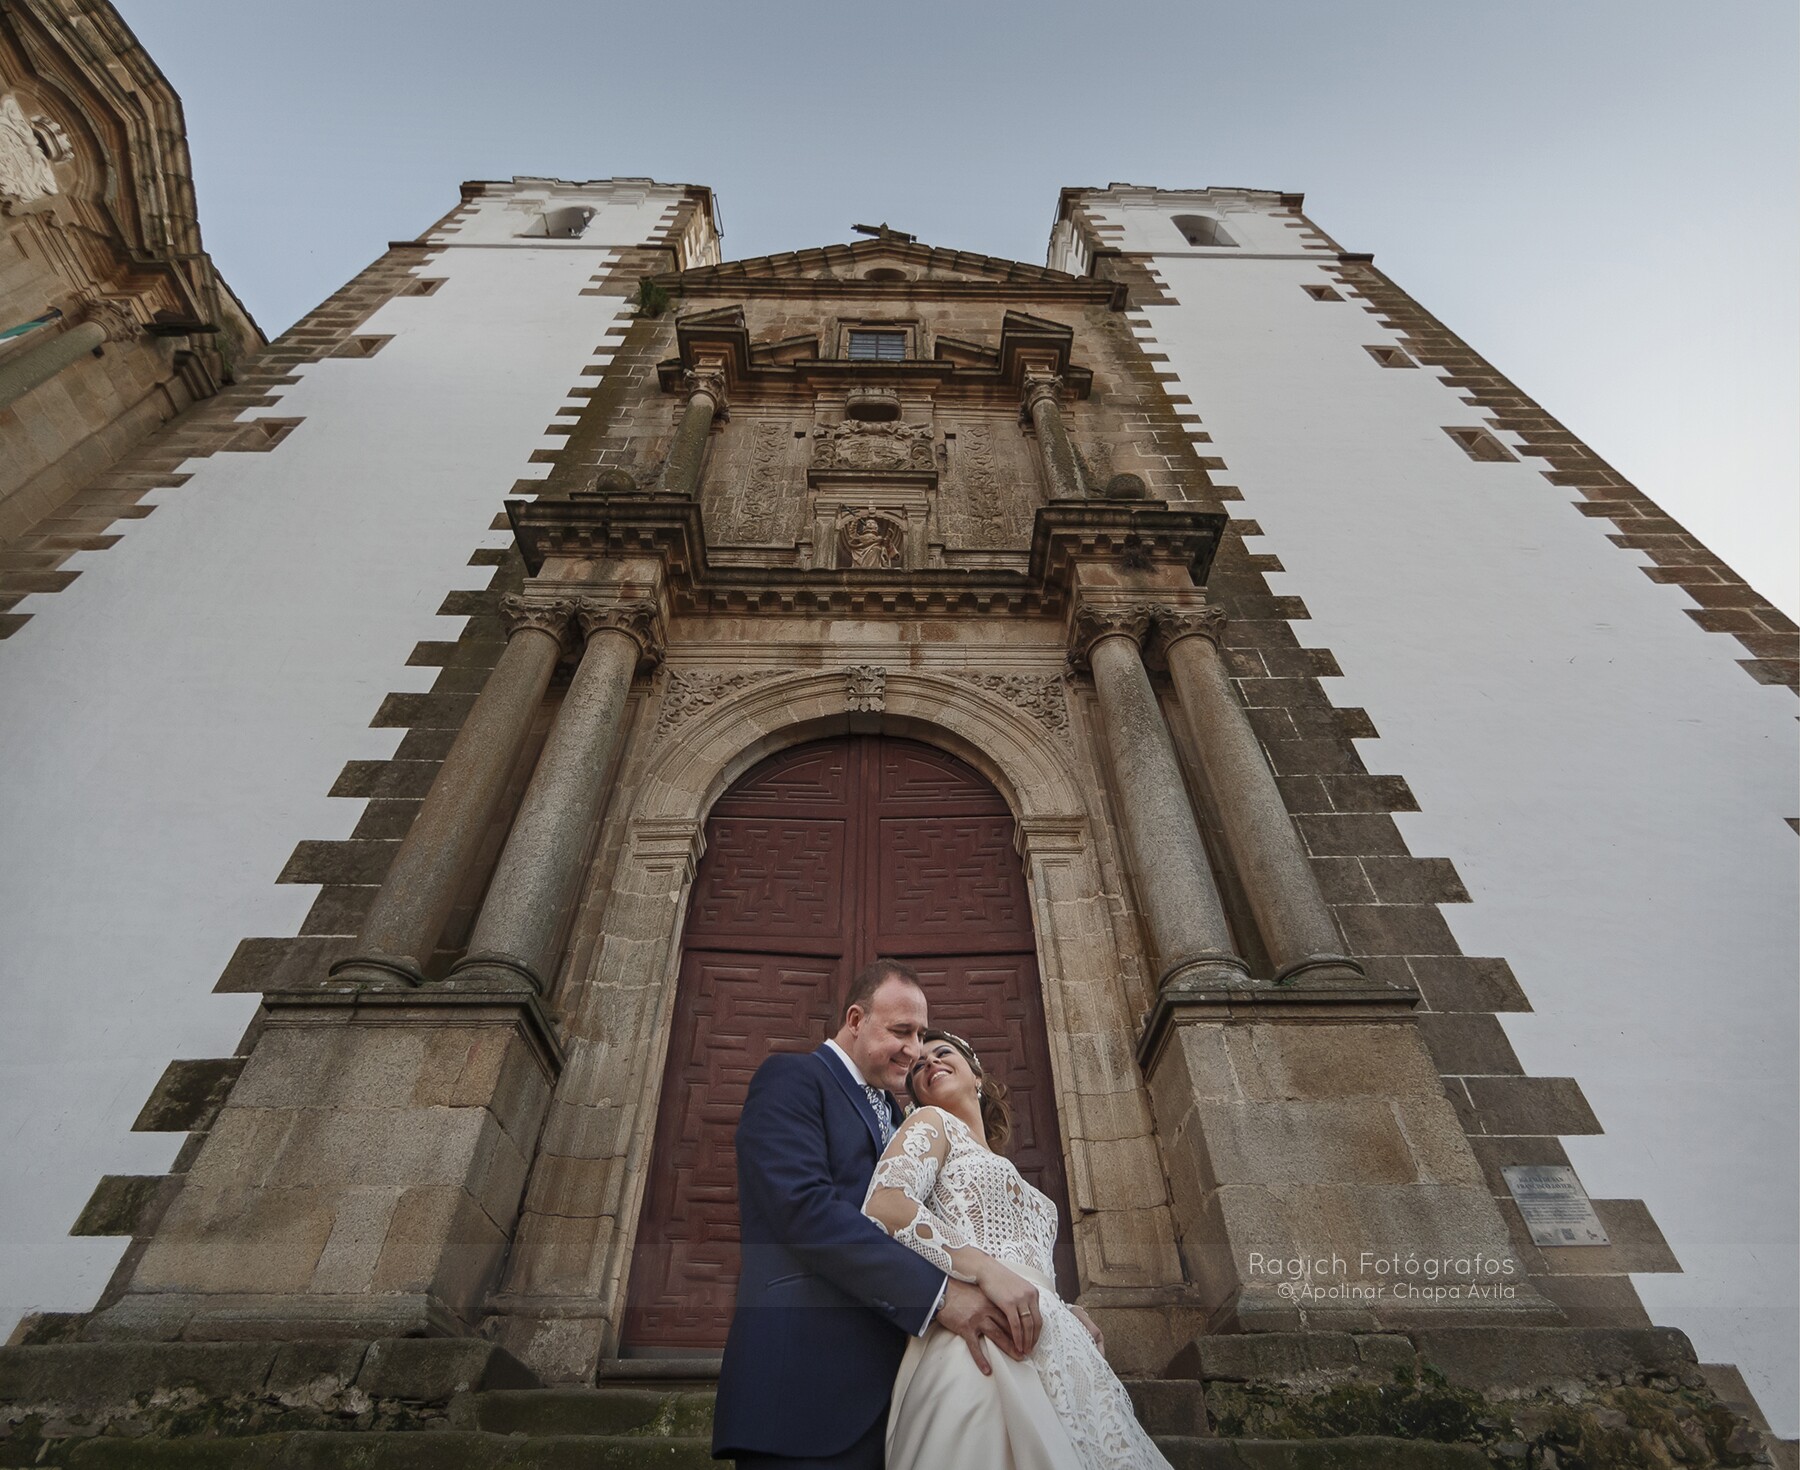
x=639, y=621
x=1038, y=695
x=865, y=688
x=857, y=444
x=689, y=691
x=1092, y=623
x=870, y=539
x=25, y=173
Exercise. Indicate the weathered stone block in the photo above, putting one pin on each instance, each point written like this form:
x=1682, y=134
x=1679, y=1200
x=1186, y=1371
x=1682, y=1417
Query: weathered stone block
x=124, y=1204
x=433, y=1369
x=188, y=1095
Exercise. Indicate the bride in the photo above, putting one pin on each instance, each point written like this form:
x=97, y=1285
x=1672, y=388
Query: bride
x=943, y=1188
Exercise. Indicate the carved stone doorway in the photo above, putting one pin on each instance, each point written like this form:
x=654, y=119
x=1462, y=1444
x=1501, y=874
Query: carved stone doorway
x=818, y=860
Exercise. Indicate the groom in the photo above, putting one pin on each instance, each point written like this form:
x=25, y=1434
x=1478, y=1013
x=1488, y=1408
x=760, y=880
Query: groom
x=826, y=1299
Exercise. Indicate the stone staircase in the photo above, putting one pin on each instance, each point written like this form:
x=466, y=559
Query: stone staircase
x=1454, y=1399
x=637, y=1426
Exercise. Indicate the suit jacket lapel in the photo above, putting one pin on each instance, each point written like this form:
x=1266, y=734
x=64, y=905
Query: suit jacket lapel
x=858, y=1098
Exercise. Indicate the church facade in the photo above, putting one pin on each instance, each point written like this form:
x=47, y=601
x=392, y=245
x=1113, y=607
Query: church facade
x=524, y=695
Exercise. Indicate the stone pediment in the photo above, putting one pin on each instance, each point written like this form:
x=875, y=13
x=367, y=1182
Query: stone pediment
x=884, y=267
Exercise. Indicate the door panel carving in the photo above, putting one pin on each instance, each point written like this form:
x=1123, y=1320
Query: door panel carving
x=819, y=859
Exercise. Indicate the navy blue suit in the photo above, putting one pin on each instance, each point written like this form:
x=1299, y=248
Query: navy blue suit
x=826, y=1299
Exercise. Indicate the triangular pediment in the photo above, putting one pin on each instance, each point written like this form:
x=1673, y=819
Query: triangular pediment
x=877, y=262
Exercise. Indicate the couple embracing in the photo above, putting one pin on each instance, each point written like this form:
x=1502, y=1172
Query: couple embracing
x=897, y=1305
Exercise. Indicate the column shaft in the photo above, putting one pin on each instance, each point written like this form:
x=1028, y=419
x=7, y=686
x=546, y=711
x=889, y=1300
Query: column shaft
x=421, y=886
x=535, y=884
x=1174, y=880
x=1055, y=445
x=38, y=365
x=681, y=475
x=1290, y=910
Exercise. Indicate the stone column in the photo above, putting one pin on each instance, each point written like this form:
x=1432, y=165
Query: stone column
x=421, y=886
x=1284, y=894
x=706, y=400
x=519, y=929
x=38, y=365
x=1174, y=880
x=1043, y=402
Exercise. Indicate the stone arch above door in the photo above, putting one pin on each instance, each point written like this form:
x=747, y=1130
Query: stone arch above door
x=577, y=1238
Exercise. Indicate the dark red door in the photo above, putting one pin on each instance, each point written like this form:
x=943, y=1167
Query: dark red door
x=819, y=859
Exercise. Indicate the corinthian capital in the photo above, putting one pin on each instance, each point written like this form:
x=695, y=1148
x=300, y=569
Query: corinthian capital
x=114, y=318
x=639, y=621
x=711, y=382
x=1042, y=387
x=1169, y=625
x=1092, y=623
x=550, y=615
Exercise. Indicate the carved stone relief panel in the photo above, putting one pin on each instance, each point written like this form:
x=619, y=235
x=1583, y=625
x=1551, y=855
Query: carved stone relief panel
x=754, y=493
x=990, y=492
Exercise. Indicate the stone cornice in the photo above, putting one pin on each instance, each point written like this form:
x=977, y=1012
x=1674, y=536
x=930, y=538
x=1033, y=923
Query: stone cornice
x=669, y=528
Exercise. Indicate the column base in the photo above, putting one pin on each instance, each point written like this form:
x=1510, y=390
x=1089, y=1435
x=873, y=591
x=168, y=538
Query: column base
x=378, y=969
x=1322, y=967
x=499, y=970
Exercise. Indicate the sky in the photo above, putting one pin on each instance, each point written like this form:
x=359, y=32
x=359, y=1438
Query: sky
x=1602, y=198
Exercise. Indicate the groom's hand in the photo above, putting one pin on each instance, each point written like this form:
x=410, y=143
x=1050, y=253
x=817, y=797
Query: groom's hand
x=971, y=1316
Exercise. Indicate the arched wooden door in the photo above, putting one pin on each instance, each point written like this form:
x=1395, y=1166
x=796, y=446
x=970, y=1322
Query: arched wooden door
x=818, y=860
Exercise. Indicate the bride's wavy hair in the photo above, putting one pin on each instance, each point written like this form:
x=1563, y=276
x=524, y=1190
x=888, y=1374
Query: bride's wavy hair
x=996, y=1114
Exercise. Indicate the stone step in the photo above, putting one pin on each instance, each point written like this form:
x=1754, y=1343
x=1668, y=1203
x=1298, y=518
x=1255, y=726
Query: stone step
x=471, y=1450
x=678, y=1414
x=417, y=1450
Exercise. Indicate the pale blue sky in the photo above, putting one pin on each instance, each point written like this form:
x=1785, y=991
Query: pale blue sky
x=1601, y=197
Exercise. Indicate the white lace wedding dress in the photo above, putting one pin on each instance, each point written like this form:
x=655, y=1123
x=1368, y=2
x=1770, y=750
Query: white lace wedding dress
x=938, y=1188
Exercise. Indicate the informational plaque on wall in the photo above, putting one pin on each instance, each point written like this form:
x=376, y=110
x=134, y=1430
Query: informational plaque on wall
x=1556, y=1208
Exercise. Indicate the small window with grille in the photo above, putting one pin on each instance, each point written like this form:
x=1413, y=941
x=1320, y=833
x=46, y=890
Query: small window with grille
x=877, y=346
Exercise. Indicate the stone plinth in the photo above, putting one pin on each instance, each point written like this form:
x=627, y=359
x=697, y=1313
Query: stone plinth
x=364, y=1177
x=1322, y=1177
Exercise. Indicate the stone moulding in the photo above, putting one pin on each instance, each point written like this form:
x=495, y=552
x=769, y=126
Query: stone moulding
x=671, y=529
x=1258, y=1000
x=446, y=1003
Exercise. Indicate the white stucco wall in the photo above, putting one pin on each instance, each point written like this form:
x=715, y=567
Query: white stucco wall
x=1609, y=783
x=170, y=723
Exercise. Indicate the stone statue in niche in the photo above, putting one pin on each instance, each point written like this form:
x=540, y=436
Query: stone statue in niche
x=859, y=445
x=869, y=539
x=25, y=172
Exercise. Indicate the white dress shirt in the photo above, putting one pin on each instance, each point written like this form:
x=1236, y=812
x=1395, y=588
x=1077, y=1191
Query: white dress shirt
x=856, y=1076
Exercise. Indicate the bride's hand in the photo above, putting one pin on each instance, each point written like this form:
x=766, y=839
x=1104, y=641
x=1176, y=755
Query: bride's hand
x=1017, y=1300
x=1091, y=1327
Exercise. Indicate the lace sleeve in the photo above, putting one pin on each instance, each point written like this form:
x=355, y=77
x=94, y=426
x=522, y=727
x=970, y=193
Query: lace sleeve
x=900, y=1190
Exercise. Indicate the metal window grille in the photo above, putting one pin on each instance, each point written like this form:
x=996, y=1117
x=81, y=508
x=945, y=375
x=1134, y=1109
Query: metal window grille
x=878, y=346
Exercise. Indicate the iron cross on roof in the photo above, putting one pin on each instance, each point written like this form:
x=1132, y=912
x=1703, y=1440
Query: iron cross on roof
x=882, y=232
